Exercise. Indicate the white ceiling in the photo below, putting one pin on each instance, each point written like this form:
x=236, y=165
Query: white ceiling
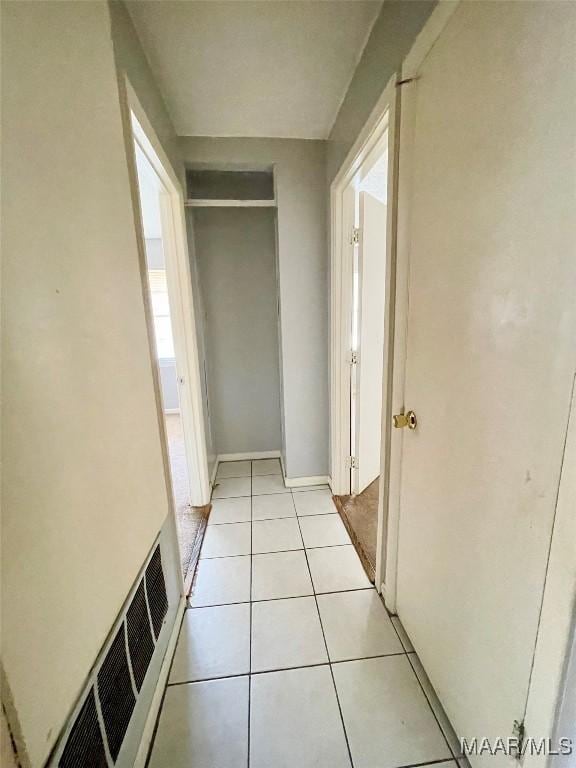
x=253, y=67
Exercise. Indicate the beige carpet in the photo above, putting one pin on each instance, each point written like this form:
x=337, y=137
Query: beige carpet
x=360, y=515
x=191, y=521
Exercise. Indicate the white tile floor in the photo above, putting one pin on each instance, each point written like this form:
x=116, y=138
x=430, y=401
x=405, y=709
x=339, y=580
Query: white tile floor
x=287, y=656
x=235, y=510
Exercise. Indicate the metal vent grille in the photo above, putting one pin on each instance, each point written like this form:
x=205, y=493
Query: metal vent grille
x=116, y=694
x=156, y=591
x=140, y=642
x=85, y=746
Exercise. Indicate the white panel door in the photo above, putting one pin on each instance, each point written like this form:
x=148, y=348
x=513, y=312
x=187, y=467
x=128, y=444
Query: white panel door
x=491, y=349
x=368, y=390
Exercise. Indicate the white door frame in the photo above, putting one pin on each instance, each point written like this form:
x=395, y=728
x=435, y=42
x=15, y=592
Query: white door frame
x=181, y=300
x=386, y=114
x=384, y=118
x=360, y=372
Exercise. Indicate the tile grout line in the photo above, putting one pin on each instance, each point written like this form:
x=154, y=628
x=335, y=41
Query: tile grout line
x=247, y=495
x=407, y=654
x=264, y=519
x=393, y=625
x=256, y=672
x=166, y=684
x=326, y=646
x=279, y=552
x=434, y=715
x=272, y=599
x=294, y=489
x=251, y=674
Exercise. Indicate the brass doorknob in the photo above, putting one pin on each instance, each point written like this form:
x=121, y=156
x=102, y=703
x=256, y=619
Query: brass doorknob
x=405, y=420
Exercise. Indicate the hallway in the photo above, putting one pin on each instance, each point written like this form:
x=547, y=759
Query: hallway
x=286, y=655
x=335, y=231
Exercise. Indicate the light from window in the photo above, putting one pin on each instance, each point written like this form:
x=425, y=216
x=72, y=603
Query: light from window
x=161, y=314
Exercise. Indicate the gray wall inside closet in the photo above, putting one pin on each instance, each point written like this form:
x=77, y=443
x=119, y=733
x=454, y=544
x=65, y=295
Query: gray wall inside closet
x=236, y=260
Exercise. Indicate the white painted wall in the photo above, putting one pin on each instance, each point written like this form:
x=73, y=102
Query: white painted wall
x=391, y=37
x=300, y=174
x=131, y=60
x=235, y=251
x=84, y=491
x=200, y=317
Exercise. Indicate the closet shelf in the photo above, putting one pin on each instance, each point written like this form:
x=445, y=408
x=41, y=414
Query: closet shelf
x=193, y=203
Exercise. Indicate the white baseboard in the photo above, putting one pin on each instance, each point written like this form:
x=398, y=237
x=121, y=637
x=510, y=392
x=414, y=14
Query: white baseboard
x=246, y=456
x=297, y=482
x=290, y=482
x=213, y=475
x=148, y=733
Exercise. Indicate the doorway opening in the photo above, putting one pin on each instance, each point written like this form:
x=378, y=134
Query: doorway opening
x=368, y=192
x=189, y=519
x=362, y=333
x=167, y=285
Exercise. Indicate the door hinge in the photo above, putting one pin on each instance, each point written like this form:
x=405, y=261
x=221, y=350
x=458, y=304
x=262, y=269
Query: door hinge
x=355, y=237
x=353, y=358
x=351, y=462
x=518, y=736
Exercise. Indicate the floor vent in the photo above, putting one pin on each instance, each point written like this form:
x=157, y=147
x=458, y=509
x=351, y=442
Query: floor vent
x=156, y=591
x=116, y=694
x=140, y=642
x=85, y=746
